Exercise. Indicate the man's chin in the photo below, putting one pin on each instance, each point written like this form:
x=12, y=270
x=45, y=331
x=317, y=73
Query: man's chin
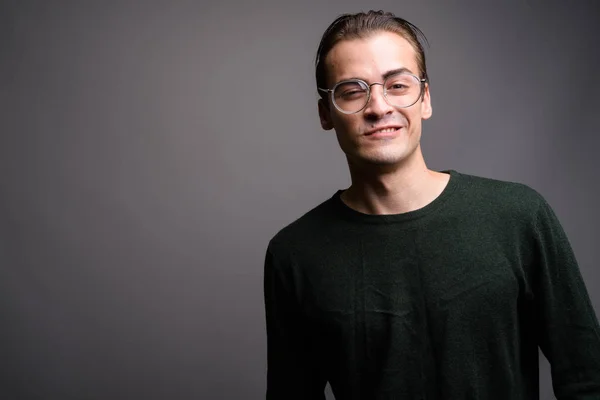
x=377, y=160
x=382, y=159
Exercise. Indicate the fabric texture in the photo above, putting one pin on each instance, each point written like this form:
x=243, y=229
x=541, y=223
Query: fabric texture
x=450, y=301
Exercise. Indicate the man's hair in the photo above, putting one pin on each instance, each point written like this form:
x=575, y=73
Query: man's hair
x=361, y=25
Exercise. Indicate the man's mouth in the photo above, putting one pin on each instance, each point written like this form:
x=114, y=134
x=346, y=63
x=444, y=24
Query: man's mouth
x=383, y=130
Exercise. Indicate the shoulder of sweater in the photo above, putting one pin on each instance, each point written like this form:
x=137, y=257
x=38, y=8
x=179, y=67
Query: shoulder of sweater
x=302, y=227
x=505, y=195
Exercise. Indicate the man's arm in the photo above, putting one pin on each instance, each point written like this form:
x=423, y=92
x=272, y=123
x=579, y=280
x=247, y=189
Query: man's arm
x=291, y=371
x=567, y=327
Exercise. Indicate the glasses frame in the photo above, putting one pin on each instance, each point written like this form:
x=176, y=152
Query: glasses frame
x=331, y=91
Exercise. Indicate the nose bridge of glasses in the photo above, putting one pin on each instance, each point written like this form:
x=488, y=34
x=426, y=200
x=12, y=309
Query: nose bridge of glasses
x=375, y=83
x=382, y=94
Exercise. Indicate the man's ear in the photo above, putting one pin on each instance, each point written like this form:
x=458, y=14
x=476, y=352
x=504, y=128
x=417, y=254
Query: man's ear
x=325, y=115
x=426, y=108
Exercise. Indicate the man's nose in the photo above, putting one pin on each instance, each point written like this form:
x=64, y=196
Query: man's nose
x=377, y=104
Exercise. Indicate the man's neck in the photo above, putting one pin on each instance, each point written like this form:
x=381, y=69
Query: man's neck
x=393, y=189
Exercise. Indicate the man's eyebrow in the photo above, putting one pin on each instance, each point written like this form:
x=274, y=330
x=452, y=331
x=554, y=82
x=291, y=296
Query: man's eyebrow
x=386, y=74
x=396, y=71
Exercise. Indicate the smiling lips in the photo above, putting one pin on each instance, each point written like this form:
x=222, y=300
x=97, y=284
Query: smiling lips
x=383, y=132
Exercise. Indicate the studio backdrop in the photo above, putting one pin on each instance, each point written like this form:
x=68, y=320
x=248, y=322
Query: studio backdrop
x=150, y=150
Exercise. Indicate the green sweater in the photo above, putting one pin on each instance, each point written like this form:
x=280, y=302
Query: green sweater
x=450, y=301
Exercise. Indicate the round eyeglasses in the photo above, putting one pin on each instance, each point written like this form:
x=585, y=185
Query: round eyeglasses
x=399, y=90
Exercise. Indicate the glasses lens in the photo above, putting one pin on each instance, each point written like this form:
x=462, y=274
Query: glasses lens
x=351, y=96
x=403, y=90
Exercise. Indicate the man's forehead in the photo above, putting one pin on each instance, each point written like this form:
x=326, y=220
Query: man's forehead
x=373, y=55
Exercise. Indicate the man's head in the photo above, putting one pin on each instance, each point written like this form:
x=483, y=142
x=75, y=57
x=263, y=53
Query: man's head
x=356, y=52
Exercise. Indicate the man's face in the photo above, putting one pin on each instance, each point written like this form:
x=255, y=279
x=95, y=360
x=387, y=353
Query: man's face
x=369, y=59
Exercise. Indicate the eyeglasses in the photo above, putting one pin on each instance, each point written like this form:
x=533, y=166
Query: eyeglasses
x=399, y=90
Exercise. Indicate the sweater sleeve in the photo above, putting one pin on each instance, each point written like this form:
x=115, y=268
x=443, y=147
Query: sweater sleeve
x=567, y=327
x=291, y=371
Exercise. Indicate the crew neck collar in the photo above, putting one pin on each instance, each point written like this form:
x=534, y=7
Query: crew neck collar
x=358, y=216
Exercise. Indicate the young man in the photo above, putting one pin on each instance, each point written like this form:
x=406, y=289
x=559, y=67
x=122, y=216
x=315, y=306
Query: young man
x=412, y=283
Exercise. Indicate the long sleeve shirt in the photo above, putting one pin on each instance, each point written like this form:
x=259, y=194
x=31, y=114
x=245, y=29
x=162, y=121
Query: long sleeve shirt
x=450, y=301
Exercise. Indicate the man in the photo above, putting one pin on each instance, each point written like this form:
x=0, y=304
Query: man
x=413, y=283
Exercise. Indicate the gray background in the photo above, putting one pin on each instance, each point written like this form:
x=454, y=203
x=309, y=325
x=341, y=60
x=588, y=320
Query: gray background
x=148, y=152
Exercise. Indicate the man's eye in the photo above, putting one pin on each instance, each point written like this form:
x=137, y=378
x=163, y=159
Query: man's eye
x=351, y=93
